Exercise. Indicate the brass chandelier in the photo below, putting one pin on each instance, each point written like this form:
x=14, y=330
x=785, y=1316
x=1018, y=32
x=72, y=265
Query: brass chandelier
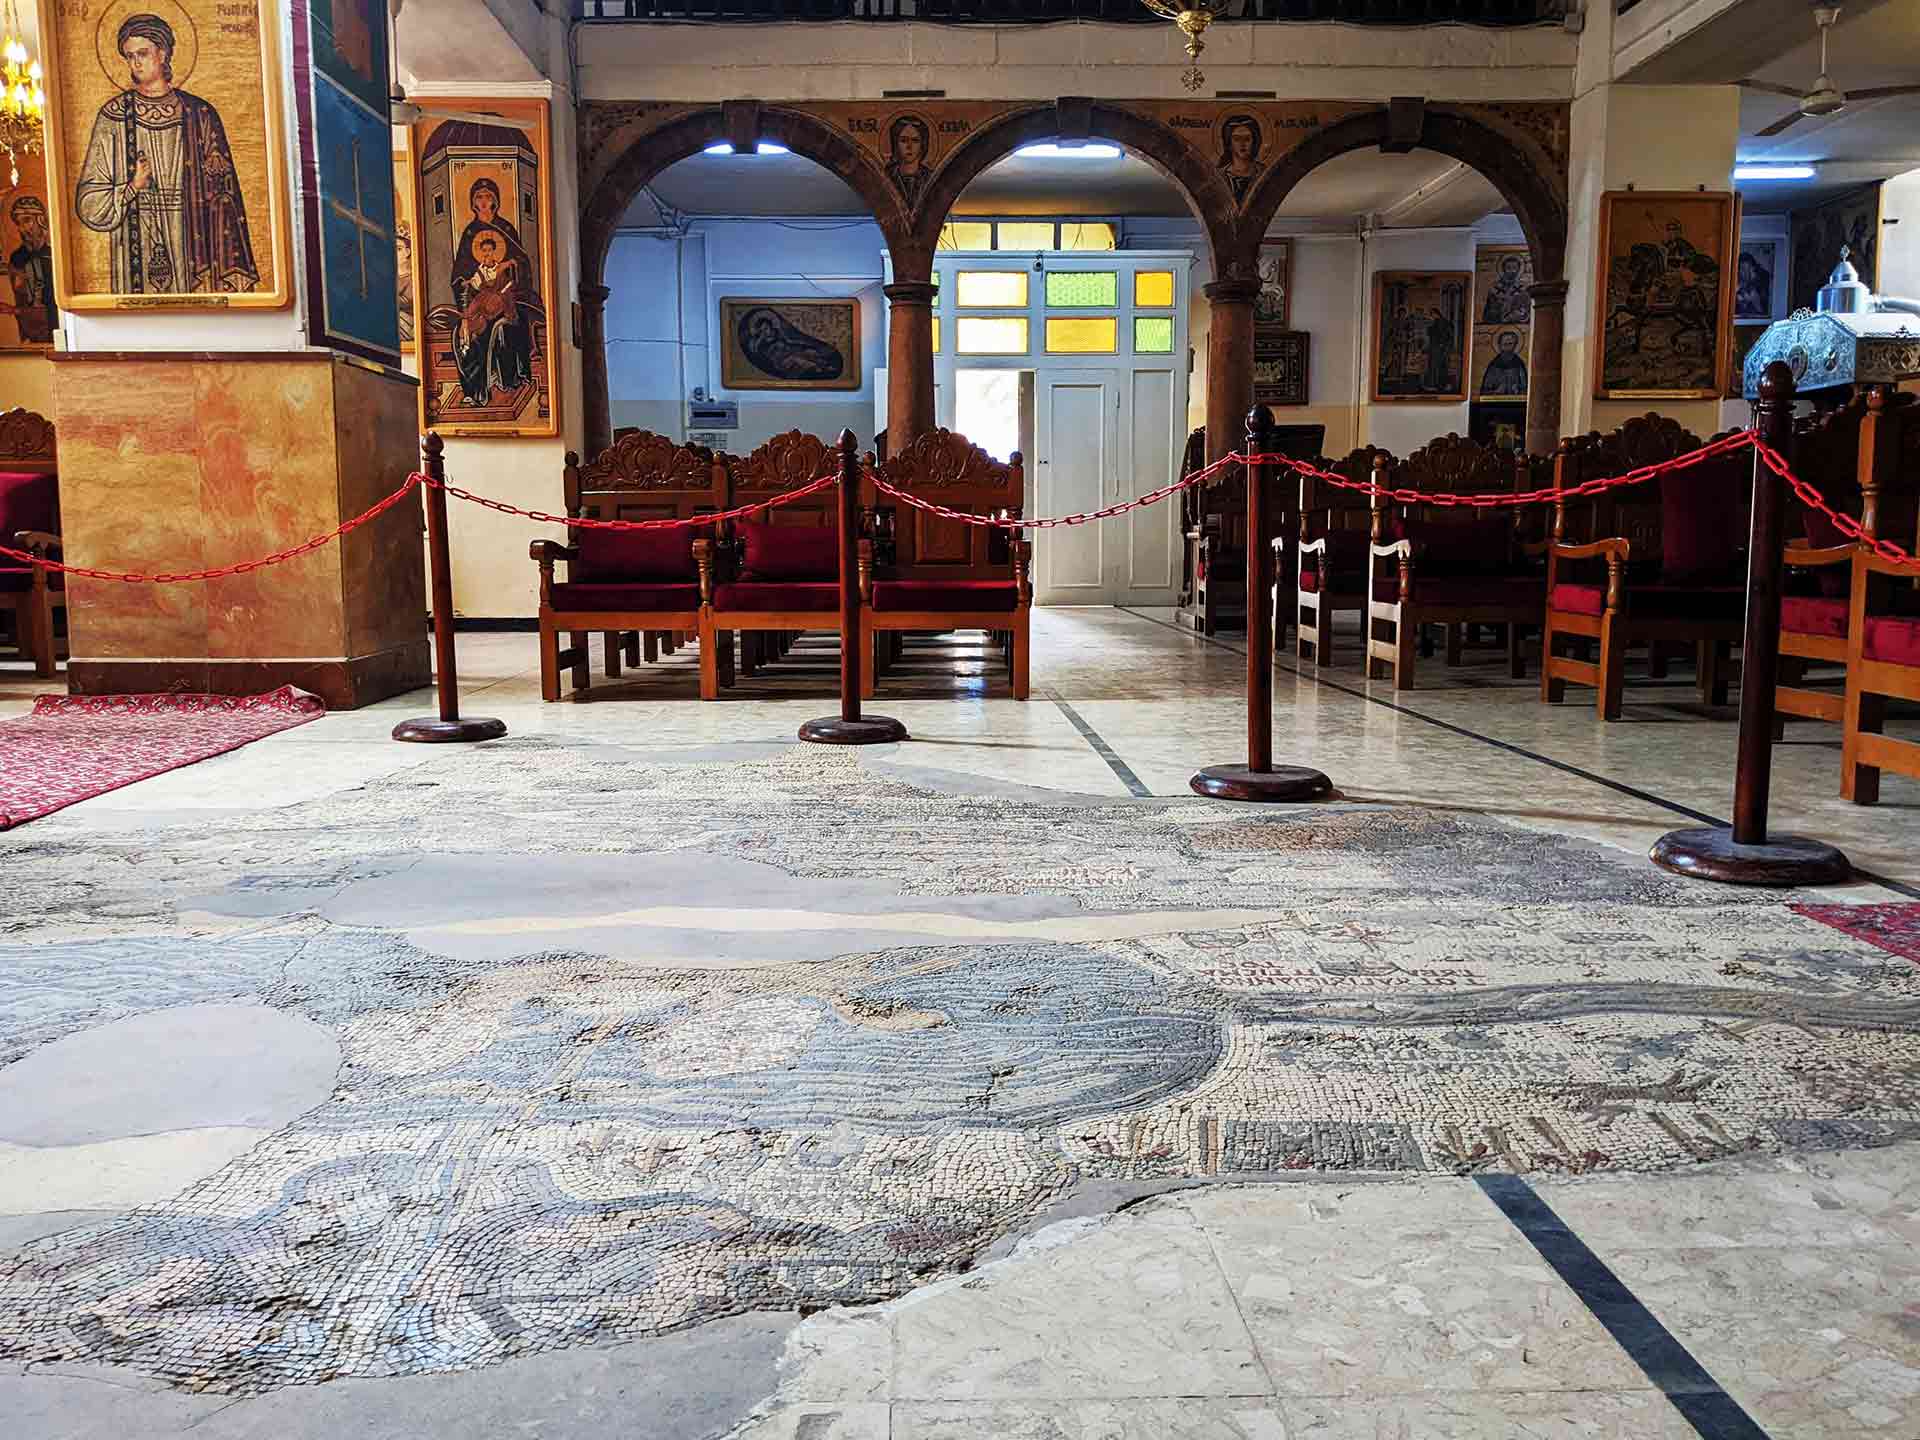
x=1193, y=17
x=23, y=102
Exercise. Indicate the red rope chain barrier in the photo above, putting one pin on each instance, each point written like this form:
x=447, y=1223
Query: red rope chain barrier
x=786, y=497
x=1009, y=522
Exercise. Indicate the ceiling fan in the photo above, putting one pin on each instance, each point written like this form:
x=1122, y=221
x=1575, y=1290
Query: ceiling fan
x=405, y=112
x=1825, y=98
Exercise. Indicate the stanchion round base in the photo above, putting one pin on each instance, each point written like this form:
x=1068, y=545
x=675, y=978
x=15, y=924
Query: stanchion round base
x=867, y=730
x=1710, y=853
x=1283, y=783
x=432, y=730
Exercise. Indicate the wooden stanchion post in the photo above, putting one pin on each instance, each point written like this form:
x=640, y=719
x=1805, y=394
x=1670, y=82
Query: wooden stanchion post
x=1744, y=854
x=1258, y=779
x=447, y=727
x=850, y=727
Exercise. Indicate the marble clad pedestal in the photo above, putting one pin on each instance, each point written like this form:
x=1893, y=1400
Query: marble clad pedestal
x=176, y=462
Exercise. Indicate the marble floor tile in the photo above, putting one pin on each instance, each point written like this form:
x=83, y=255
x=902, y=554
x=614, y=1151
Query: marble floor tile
x=1580, y=1415
x=1127, y=1307
x=856, y=1420
x=1178, y=1419
x=1367, y=1310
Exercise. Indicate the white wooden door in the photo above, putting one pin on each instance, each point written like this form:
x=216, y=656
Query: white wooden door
x=1146, y=539
x=1075, y=471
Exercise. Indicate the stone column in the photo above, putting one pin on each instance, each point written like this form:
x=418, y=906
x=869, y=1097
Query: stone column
x=1229, y=362
x=596, y=396
x=1543, y=366
x=909, y=361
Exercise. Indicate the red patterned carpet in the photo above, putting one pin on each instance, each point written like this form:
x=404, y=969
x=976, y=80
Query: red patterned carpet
x=1894, y=928
x=73, y=747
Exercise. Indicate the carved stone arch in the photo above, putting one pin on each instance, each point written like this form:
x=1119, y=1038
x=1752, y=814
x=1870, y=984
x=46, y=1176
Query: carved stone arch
x=1537, y=196
x=625, y=166
x=1198, y=182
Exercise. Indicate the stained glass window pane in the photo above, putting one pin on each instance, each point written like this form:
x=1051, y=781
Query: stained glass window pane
x=1152, y=334
x=1086, y=235
x=999, y=289
x=1025, y=235
x=936, y=334
x=990, y=335
x=1082, y=334
x=1083, y=287
x=1153, y=287
x=967, y=235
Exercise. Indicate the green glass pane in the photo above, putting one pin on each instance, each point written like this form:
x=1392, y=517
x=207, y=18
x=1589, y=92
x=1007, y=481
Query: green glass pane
x=1153, y=334
x=1083, y=287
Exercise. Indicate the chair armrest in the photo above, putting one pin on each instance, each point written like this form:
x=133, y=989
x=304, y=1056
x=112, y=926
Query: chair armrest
x=864, y=558
x=1314, y=547
x=1807, y=557
x=548, y=551
x=1393, y=547
x=1874, y=564
x=1617, y=549
x=39, y=543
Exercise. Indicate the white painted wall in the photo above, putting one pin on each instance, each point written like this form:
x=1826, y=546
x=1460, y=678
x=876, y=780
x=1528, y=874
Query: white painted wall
x=1900, y=236
x=1403, y=426
x=666, y=298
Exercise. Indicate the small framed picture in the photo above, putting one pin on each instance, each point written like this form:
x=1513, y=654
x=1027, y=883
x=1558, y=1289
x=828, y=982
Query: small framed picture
x=776, y=344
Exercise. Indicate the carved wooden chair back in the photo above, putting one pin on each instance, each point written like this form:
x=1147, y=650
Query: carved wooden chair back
x=1327, y=509
x=1632, y=512
x=949, y=470
x=1455, y=465
x=1218, y=505
x=27, y=449
x=785, y=463
x=644, y=476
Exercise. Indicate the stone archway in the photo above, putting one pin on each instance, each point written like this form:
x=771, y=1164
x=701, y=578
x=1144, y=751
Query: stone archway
x=1525, y=179
x=626, y=146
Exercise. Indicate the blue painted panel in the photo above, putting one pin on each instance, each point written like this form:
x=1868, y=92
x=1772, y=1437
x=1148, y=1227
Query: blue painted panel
x=354, y=160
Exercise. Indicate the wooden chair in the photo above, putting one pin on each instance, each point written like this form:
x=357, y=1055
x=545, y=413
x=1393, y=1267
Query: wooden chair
x=30, y=521
x=1449, y=565
x=780, y=574
x=1335, y=530
x=1213, y=587
x=654, y=582
x=1883, y=659
x=1864, y=458
x=1661, y=564
x=924, y=572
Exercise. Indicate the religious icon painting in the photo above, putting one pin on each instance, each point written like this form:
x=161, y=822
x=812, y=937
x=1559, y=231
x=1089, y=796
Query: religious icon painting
x=1502, y=321
x=790, y=344
x=341, y=78
x=1271, y=305
x=165, y=151
x=1420, y=334
x=1280, y=366
x=28, y=312
x=1851, y=221
x=1744, y=336
x=1756, y=276
x=1664, y=293
x=483, y=271
x=403, y=246
x=1239, y=161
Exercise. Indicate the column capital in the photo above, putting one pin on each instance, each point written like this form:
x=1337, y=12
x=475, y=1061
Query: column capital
x=595, y=296
x=911, y=292
x=1239, y=290
x=1549, y=292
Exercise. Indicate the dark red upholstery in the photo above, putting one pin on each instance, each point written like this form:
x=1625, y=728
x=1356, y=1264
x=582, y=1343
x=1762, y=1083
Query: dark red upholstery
x=1892, y=639
x=1700, y=525
x=823, y=596
x=1657, y=602
x=657, y=556
x=18, y=582
x=28, y=502
x=946, y=596
x=791, y=552
x=1468, y=589
x=636, y=596
x=1464, y=549
x=1814, y=615
x=1579, y=599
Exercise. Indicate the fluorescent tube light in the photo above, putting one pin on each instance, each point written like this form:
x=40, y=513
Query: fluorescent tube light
x=1773, y=172
x=1054, y=151
x=765, y=147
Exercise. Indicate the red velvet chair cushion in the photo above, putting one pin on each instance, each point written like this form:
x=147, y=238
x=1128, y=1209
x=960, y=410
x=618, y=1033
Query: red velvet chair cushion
x=948, y=597
x=1814, y=615
x=1892, y=639
x=1657, y=602
x=819, y=595
x=791, y=552
x=1579, y=599
x=635, y=596
x=1700, y=525
x=27, y=502
x=652, y=556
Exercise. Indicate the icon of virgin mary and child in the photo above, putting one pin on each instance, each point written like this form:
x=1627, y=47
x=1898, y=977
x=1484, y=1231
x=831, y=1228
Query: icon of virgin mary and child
x=495, y=301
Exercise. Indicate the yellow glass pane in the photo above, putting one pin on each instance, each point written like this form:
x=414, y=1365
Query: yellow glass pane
x=1153, y=287
x=936, y=334
x=1024, y=235
x=1086, y=235
x=1152, y=335
x=967, y=235
x=1082, y=334
x=996, y=289
x=990, y=335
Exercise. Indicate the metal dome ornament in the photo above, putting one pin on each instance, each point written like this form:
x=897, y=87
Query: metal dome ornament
x=1193, y=17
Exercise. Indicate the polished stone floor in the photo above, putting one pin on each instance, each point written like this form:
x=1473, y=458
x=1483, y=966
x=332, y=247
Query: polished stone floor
x=649, y=1073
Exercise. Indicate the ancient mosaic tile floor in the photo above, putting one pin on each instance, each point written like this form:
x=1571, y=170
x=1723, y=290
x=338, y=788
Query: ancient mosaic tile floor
x=630, y=1044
